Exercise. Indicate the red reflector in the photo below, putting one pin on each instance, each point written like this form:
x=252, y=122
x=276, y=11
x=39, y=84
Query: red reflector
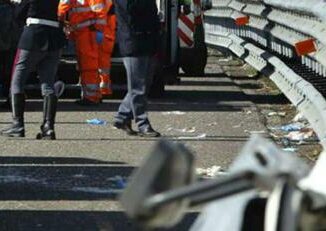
x=305, y=47
x=241, y=21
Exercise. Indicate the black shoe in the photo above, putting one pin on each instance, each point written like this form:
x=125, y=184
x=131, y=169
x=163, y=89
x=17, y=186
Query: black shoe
x=86, y=102
x=148, y=132
x=16, y=129
x=126, y=126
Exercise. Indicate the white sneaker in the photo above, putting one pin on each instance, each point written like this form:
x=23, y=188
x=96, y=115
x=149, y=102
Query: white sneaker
x=59, y=88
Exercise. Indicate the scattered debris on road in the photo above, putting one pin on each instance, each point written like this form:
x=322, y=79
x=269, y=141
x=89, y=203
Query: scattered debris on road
x=96, y=122
x=182, y=130
x=211, y=172
x=274, y=113
x=200, y=136
x=173, y=113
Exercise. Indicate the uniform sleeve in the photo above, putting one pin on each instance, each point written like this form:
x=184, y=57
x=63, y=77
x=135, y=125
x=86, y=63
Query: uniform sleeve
x=63, y=8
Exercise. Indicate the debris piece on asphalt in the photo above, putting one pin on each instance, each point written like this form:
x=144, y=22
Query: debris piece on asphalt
x=226, y=59
x=173, y=113
x=303, y=135
x=237, y=126
x=211, y=172
x=290, y=127
x=274, y=113
x=200, y=136
x=183, y=130
x=212, y=124
x=118, y=182
x=96, y=122
x=285, y=142
x=255, y=132
x=290, y=149
x=299, y=118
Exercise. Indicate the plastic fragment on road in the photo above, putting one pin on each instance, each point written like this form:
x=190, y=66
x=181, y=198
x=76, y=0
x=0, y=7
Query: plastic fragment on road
x=303, y=135
x=273, y=113
x=183, y=130
x=200, y=136
x=285, y=142
x=255, y=132
x=212, y=124
x=118, y=182
x=299, y=118
x=292, y=127
x=211, y=172
x=289, y=127
x=96, y=122
x=290, y=149
x=173, y=113
x=237, y=126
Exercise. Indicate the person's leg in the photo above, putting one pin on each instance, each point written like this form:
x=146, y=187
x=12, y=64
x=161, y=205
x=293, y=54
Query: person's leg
x=106, y=49
x=138, y=67
x=104, y=70
x=59, y=88
x=87, y=54
x=124, y=115
x=138, y=74
x=24, y=62
x=125, y=111
x=47, y=72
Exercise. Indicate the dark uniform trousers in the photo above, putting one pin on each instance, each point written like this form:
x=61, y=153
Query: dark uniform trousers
x=137, y=33
x=38, y=49
x=45, y=62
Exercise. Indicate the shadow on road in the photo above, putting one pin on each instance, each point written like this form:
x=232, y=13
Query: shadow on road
x=166, y=137
x=38, y=179
x=33, y=178
x=76, y=221
x=7, y=160
x=178, y=100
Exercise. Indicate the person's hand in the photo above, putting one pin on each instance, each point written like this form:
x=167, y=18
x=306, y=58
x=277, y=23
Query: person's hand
x=99, y=37
x=67, y=29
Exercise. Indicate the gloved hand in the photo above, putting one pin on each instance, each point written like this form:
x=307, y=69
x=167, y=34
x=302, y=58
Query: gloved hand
x=99, y=37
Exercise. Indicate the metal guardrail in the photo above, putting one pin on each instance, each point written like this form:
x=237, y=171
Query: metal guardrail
x=316, y=7
x=266, y=34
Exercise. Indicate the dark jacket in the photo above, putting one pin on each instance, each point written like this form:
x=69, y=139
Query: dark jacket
x=6, y=15
x=138, y=27
x=9, y=31
x=40, y=37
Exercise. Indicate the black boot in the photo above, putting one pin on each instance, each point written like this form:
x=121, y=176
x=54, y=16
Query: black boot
x=17, y=127
x=49, y=111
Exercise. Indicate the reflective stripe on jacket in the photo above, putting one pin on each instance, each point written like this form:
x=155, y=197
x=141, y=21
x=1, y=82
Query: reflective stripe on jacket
x=83, y=13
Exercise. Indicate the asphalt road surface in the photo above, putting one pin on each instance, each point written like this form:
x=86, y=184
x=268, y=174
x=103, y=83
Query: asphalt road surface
x=66, y=184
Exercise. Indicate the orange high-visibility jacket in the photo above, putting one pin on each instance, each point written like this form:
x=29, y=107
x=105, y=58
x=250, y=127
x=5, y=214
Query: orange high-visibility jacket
x=84, y=13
